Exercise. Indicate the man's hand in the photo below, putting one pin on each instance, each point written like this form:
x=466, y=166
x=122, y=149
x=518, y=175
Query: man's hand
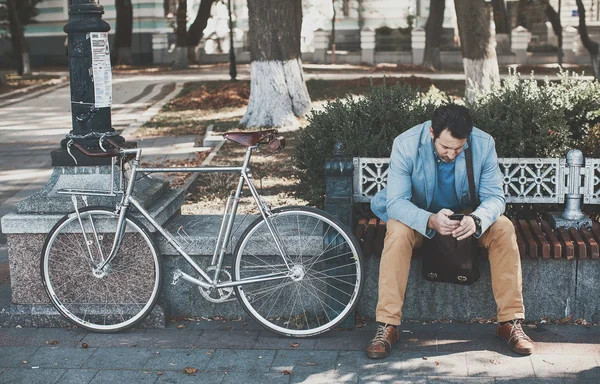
x=442, y=224
x=467, y=228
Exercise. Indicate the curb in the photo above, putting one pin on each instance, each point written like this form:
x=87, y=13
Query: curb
x=61, y=82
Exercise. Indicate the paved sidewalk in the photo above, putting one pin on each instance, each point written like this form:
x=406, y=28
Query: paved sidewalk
x=241, y=352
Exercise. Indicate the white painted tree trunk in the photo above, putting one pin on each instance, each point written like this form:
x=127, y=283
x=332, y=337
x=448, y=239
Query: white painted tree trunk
x=277, y=94
x=26, y=63
x=481, y=75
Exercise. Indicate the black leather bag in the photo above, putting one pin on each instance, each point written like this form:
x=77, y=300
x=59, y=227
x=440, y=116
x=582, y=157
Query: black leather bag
x=448, y=260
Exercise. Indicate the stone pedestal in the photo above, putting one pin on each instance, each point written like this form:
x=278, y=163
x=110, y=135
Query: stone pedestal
x=26, y=229
x=321, y=43
x=520, y=38
x=417, y=43
x=367, y=46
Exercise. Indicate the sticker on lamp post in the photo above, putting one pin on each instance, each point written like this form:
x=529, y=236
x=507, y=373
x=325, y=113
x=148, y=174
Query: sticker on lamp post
x=102, y=76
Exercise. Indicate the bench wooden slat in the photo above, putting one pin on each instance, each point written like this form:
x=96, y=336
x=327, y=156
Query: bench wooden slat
x=542, y=241
x=359, y=231
x=556, y=246
x=596, y=230
x=529, y=239
x=580, y=248
x=520, y=242
x=568, y=244
x=592, y=245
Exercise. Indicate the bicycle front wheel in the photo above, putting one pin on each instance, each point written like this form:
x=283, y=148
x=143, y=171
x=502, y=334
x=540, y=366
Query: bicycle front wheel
x=108, y=300
x=314, y=287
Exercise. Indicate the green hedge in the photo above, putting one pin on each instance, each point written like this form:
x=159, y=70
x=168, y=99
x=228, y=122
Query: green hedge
x=527, y=118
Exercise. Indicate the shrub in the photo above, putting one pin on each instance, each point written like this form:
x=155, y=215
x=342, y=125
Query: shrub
x=525, y=119
x=365, y=126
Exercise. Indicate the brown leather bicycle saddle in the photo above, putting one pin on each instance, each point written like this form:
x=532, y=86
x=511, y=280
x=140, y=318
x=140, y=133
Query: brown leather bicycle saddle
x=249, y=138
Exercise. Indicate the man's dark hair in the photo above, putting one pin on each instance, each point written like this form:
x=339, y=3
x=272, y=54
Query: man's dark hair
x=454, y=117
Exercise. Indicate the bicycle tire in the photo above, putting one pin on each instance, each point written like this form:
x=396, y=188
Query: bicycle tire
x=326, y=288
x=93, y=300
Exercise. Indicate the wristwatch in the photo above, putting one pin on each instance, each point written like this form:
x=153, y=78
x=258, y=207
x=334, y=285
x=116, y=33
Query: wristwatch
x=477, y=221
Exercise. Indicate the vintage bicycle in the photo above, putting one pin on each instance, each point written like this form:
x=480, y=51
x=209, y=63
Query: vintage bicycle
x=297, y=271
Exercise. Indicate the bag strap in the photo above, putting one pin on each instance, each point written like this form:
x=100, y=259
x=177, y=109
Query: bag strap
x=471, y=177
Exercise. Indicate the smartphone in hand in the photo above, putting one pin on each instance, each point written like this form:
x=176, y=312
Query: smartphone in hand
x=456, y=216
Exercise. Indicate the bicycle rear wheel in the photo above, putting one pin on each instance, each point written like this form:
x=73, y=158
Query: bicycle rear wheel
x=324, y=259
x=110, y=300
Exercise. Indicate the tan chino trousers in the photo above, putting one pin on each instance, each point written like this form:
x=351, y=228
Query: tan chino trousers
x=501, y=242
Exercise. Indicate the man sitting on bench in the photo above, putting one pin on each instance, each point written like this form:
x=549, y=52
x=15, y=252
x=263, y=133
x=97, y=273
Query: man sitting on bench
x=427, y=182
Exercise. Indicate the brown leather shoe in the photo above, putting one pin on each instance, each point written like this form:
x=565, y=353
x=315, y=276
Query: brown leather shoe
x=381, y=345
x=515, y=337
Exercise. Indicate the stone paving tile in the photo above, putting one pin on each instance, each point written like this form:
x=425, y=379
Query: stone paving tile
x=227, y=339
x=304, y=361
x=129, y=377
x=437, y=364
x=499, y=365
x=389, y=378
x=13, y=357
x=343, y=341
x=118, y=358
x=583, y=367
x=418, y=342
x=180, y=377
x=227, y=325
x=12, y=337
x=60, y=357
x=67, y=337
x=31, y=376
x=578, y=349
x=462, y=380
x=227, y=360
x=257, y=378
x=78, y=376
x=325, y=377
x=177, y=359
x=151, y=338
x=465, y=344
x=270, y=340
x=537, y=380
x=553, y=348
x=353, y=361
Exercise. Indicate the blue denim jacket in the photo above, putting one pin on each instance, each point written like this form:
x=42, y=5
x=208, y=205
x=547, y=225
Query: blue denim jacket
x=412, y=177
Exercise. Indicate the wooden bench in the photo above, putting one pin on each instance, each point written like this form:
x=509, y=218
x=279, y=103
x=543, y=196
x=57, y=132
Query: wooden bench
x=526, y=181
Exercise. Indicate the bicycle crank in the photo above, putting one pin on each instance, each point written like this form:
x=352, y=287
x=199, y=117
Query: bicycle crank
x=217, y=295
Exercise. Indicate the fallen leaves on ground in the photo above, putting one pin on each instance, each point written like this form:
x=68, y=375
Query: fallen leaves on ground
x=180, y=326
x=190, y=370
x=287, y=372
x=52, y=342
x=227, y=95
x=84, y=345
x=294, y=345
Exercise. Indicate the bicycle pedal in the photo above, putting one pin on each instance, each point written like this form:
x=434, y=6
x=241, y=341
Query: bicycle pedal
x=176, y=276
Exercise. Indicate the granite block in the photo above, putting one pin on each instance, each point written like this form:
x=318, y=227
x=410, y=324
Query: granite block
x=588, y=281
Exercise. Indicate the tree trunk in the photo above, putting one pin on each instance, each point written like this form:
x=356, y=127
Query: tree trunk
x=554, y=19
x=17, y=34
x=502, y=26
x=333, y=33
x=181, y=36
x=433, y=34
x=522, y=14
x=590, y=45
x=277, y=87
x=476, y=41
x=123, y=32
x=194, y=34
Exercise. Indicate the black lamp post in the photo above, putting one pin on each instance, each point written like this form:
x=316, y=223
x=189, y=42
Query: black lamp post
x=232, y=68
x=91, y=82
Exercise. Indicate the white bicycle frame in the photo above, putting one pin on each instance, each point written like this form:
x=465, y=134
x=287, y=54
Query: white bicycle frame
x=225, y=231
